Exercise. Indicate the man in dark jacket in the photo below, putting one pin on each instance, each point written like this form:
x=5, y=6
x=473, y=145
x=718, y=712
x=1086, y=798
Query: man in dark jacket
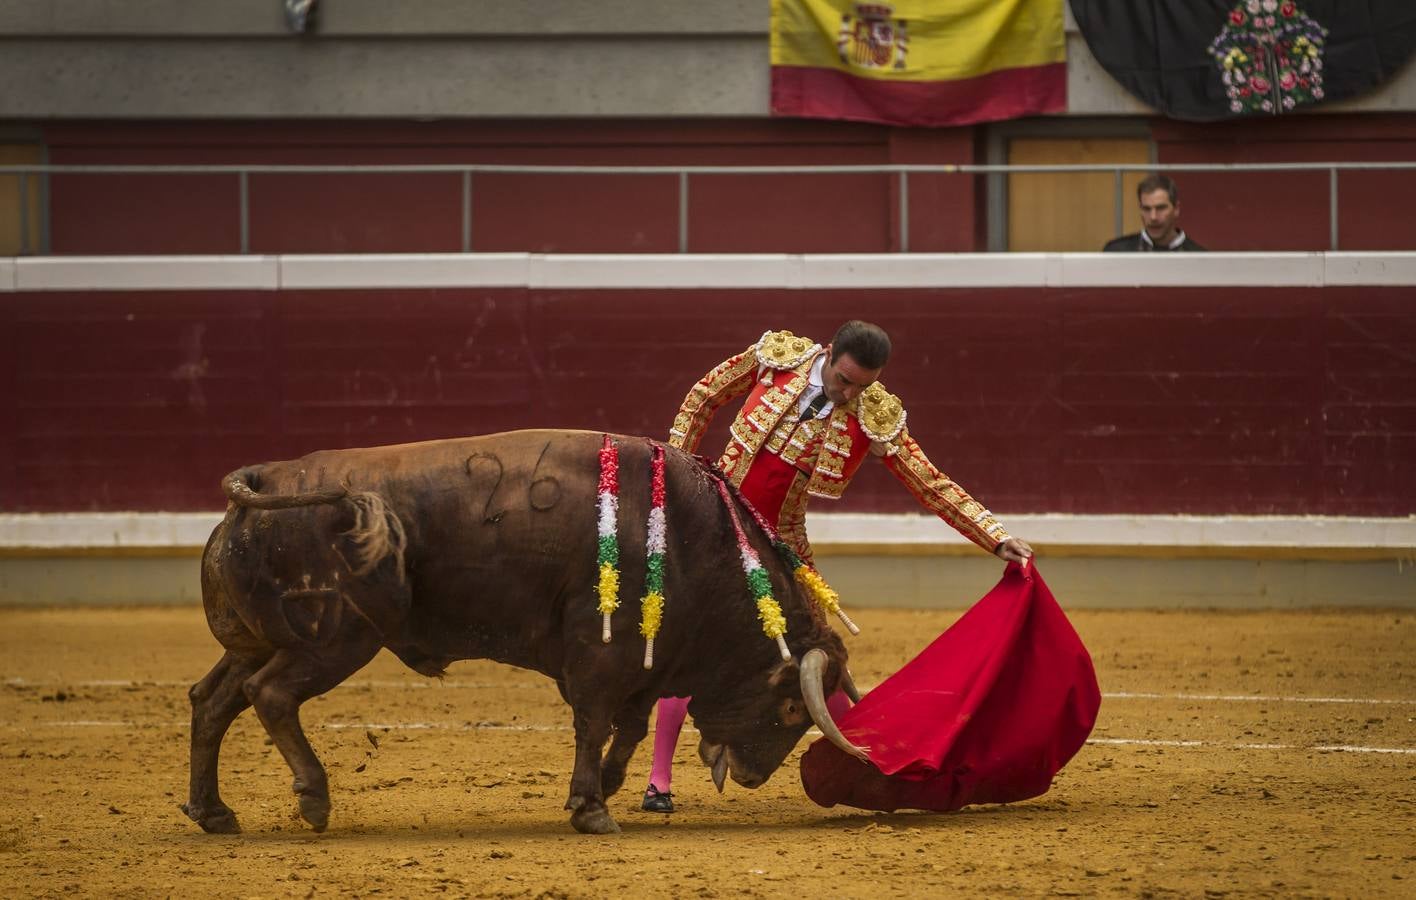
x=1160, y=213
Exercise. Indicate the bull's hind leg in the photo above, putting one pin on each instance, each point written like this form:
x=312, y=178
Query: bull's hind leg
x=288, y=680
x=216, y=702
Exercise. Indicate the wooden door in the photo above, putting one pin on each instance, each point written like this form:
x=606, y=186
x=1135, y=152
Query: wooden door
x=1071, y=211
x=13, y=240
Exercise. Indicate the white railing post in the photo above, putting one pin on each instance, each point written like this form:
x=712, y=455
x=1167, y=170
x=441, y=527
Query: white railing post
x=1119, y=190
x=467, y=211
x=24, y=214
x=243, y=188
x=1332, y=209
x=683, y=212
x=904, y=212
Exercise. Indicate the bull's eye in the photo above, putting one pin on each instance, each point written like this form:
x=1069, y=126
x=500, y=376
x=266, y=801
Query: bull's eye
x=791, y=713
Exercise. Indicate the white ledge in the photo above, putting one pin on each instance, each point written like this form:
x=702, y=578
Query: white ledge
x=428, y=270
x=656, y=270
x=148, y=273
x=1127, y=530
x=112, y=531
x=1192, y=270
x=664, y=271
x=1370, y=269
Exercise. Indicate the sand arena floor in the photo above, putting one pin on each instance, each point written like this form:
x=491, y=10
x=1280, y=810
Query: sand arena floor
x=1237, y=754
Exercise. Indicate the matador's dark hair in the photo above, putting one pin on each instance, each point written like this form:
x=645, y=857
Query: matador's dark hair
x=867, y=344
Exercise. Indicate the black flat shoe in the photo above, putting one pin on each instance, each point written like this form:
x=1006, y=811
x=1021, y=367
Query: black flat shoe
x=656, y=800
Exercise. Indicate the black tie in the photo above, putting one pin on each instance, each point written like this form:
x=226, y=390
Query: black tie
x=814, y=406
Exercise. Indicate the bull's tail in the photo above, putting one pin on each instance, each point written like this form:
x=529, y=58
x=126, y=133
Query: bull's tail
x=239, y=490
x=377, y=533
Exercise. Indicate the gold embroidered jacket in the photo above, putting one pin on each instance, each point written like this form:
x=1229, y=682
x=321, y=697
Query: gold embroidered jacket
x=826, y=452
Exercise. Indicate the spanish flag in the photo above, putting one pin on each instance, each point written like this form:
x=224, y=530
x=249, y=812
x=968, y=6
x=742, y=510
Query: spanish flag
x=918, y=62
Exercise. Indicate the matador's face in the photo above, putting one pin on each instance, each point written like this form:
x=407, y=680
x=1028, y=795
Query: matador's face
x=843, y=378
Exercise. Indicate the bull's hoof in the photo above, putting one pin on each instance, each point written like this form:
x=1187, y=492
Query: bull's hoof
x=217, y=820
x=315, y=810
x=594, y=821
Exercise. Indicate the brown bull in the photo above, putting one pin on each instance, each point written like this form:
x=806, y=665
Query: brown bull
x=485, y=548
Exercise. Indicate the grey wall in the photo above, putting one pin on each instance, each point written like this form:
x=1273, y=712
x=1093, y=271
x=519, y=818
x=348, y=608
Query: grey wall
x=235, y=58
x=454, y=58
x=923, y=582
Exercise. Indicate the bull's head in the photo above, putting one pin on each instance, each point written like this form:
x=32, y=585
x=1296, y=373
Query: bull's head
x=749, y=741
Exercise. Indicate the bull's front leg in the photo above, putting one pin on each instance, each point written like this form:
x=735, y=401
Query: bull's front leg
x=587, y=800
x=631, y=724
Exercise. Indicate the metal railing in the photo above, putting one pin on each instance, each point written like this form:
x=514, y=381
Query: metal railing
x=243, y=173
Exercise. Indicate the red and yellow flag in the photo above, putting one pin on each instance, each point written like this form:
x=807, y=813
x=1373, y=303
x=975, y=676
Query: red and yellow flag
x=918, y=62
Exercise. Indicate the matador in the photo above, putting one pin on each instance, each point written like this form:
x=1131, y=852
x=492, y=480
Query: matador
x=812, y=416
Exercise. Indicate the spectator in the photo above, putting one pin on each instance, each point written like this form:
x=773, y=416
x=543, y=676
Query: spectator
x=1160, y=214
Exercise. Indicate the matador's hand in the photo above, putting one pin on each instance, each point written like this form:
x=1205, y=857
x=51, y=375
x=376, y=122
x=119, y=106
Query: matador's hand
x=1013, y=550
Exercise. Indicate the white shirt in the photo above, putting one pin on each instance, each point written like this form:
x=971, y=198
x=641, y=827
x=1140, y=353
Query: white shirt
x=815, y=385
x=1174, y=242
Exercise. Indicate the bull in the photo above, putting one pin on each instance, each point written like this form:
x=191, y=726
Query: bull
x=485, y=548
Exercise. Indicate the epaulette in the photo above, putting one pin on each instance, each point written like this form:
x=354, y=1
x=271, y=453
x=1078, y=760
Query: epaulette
x=881, y=414
x=784, y=350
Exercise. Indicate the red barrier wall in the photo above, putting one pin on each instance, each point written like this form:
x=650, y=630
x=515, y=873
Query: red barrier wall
x=1290, y=211
x=391, y=213
x=1178, y=400
x=356, y=213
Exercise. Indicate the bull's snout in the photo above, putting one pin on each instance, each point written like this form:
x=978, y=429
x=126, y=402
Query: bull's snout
x=749, y=781
x=723, y=762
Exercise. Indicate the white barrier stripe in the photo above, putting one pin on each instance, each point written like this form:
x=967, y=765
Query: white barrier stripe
x=487, y=685
x=1251, y=698
x=328, y=726
x=368, y=683
x=1345, y=748
x=454, y=726
x=100, y=723
x=446, y=726
x=1321, y=748
x=1145, y=742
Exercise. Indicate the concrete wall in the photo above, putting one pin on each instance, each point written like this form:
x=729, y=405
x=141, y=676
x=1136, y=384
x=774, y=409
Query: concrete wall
x=932, y=582
x=168, y=58
x=872, y=560
x=454, y=58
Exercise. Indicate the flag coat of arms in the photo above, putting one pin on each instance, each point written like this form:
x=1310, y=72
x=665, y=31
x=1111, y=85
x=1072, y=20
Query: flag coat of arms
x=918, y=62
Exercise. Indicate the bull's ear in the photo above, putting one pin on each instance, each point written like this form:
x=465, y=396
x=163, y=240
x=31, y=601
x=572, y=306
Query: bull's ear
x=786, y=673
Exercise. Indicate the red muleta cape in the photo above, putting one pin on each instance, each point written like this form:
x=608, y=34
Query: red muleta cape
x=988, y=713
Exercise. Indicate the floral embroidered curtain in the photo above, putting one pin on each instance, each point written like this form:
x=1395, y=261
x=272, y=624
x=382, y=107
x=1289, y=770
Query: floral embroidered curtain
x=1214, y=59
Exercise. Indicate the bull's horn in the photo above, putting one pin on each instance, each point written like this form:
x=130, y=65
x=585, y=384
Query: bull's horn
x=848, y=685
x=720, y=768
x=813, y=674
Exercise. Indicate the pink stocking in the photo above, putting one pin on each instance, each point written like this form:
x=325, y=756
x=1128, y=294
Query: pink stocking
x=668, y=722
